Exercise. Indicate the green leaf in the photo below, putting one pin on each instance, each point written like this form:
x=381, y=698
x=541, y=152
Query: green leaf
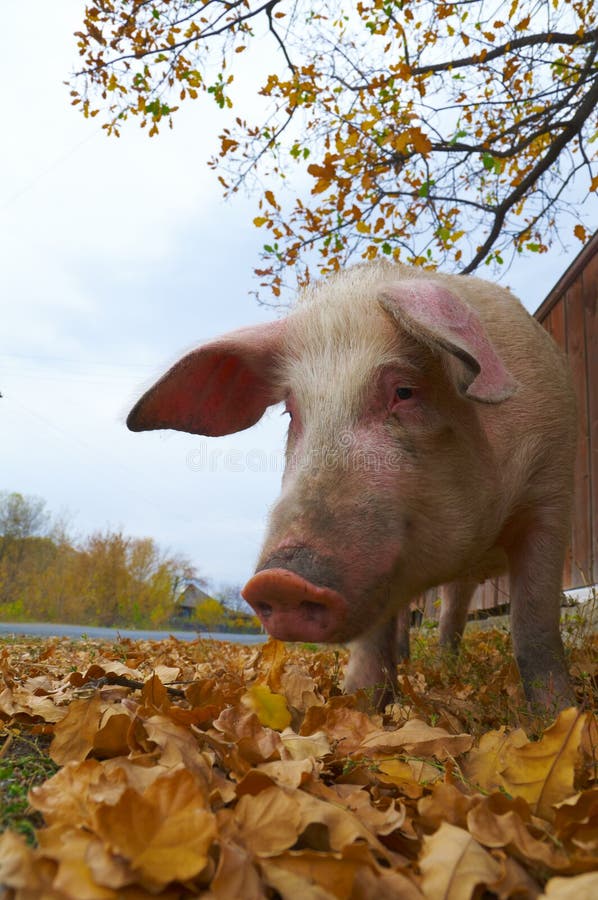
x=491, y=163
x=424, y=190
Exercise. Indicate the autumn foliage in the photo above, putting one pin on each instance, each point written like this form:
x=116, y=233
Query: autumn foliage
x=211, y=770
x=106, y=578
x=423, y=131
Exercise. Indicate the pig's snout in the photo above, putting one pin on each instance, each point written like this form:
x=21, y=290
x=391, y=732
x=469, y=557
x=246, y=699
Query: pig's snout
x=290, y=606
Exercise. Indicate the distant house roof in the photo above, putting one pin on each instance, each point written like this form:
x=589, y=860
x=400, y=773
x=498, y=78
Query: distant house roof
x=191, y=596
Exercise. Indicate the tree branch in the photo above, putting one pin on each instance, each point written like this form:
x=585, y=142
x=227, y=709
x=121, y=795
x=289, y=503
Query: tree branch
x=532, y=40
x=584, y=110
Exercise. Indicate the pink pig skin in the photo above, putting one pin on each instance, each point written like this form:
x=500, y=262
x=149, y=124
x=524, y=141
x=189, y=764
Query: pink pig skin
x=431, y=442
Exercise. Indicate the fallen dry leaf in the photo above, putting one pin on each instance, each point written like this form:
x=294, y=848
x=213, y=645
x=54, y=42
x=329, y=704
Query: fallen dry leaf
x=453, y=865
x=164, y=834
x=418, y=738
x=542, y=772
x=75, y=733
x=252, y=778
x=581, y=887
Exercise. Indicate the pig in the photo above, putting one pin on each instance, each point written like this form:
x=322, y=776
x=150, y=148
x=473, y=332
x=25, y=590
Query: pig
x=431, y=442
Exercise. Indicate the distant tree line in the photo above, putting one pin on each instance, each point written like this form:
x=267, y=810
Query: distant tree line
x=105, y=579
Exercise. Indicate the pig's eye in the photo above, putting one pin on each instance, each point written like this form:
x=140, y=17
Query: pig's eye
x=404, y=393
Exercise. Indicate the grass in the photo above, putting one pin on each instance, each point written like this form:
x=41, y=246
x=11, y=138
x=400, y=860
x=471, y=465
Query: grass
x=24, y=763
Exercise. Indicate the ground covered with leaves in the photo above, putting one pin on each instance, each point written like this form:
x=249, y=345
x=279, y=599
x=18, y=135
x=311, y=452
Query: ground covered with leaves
x=212, y=770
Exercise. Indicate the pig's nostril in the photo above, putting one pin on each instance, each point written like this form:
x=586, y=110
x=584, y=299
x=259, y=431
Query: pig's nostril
x=312, y=611
x=264, y=610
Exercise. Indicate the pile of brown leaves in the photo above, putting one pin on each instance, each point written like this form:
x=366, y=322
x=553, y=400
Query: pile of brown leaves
x=217, y=771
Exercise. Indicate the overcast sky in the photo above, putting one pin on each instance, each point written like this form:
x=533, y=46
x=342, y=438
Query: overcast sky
x=116, y=256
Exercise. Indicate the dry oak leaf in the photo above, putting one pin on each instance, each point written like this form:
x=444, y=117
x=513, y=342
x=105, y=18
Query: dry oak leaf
x=271, y=659
x=74, y=851
x=576, y=820
x=453, y=865
x=269, y=822
x=270, y=708
x=580, y=887
x=304, y=746
x=341, y=722
x=154, y=695
x=177, y=745
x=140, y=772
x=255, y=743
x=379, y=821
x=21, y=701
x=485, y=762
x=300, y=689
x=342, y=826
x=350, y=875
x=112, y=736
x=543, y=772
x=516, y=881
x=70, y=796
x=75, y=734
x=164, y=834
x=508, y=829
x=16, y=860
x=445, y=803
x=167, y=674
x=236, y=875
x=409, y=776
x=418, y=738
x=291, y=773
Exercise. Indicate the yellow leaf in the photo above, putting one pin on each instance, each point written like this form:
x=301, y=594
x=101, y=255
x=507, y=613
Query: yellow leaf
x=271, y=709
x=580, y=887
x=484, y=764
x=453, y=865
x=580, y=233
x=400, y=141
x=259, y=221
x=363, y=227
x=542, y=772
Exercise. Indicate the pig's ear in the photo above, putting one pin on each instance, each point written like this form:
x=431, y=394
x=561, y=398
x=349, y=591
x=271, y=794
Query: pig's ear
x=221, y=387
x=439, y=317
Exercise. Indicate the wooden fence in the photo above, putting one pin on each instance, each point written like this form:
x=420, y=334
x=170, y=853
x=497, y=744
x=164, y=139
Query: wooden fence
x=570, y=314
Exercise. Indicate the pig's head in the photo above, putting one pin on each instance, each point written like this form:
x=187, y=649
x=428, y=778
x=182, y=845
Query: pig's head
x=382, y=379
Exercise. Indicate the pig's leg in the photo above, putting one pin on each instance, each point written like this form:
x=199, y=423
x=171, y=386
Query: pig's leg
x=403, y=626
x=373, y=663
x=456, y=597
x=536, y=565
